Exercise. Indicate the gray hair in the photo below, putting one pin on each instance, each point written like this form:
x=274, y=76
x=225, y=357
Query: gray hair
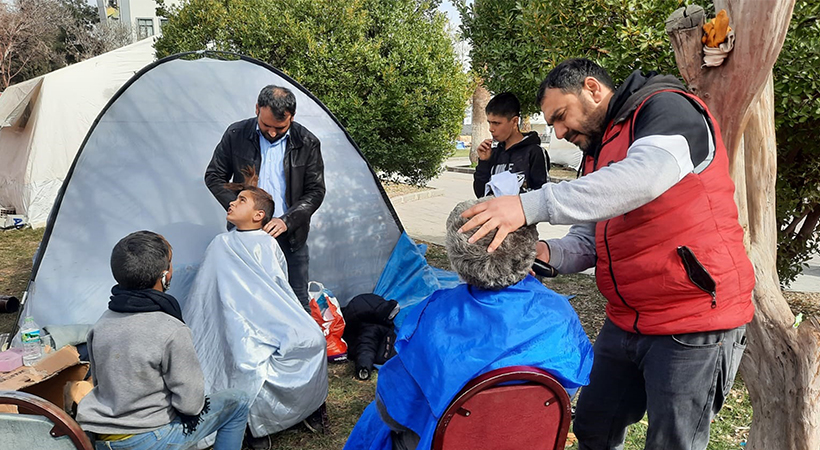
x=279, y=99
x=507, y=265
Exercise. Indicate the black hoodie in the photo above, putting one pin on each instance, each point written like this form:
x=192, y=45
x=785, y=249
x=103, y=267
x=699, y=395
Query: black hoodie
x=527, y=159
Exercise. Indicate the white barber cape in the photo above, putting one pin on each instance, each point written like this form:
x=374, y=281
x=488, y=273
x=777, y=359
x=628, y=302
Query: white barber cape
x=251, y=332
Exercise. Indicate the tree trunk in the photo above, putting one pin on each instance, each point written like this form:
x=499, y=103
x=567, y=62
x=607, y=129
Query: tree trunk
x=781, y=366
x=526, y=125
x=480, y=129
x=782, y=363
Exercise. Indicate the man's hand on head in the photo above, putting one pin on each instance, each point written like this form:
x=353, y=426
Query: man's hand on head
x=275, y=227
x=504, y=213
x=485, y=149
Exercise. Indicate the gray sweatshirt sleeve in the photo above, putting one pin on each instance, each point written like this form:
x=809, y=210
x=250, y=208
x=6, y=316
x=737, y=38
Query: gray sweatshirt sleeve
x=653, y=164
x=89, y=345
x=575, y=251
x=182, y=373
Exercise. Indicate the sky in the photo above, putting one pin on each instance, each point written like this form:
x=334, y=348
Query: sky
x=452, y=12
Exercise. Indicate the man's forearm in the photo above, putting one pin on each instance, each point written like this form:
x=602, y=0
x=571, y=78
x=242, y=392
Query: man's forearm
x=646, y=173
x=574, y=252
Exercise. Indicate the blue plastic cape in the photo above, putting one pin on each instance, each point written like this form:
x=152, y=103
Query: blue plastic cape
x=408, y=279
x=460, y=333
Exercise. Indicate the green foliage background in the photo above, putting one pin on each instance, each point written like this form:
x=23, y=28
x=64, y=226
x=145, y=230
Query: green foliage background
x=797, y=118
x=385, y=68
x=517, y=42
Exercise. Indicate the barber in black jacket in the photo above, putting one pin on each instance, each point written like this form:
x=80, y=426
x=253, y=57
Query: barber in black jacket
x=288, y=160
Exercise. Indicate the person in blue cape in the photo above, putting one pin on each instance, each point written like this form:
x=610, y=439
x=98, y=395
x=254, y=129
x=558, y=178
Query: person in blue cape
x=502, y=316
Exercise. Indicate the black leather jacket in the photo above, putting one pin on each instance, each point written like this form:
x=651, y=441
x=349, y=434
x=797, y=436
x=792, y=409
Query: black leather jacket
x=304, y=173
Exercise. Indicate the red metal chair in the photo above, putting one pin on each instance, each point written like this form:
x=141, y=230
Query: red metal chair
x=40, y=424
x=511, y=408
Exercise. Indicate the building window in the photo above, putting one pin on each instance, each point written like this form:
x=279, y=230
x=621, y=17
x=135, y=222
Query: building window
x=145, y=28
x=162, y=22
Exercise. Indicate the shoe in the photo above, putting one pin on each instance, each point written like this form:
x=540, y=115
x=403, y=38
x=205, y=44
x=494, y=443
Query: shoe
x=318, y=422
x=257, y=443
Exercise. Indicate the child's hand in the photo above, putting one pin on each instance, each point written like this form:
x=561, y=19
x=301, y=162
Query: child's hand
x=275, y=227
x=485, y=149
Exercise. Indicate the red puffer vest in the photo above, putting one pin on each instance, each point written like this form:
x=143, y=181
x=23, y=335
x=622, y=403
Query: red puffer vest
x=677, y=264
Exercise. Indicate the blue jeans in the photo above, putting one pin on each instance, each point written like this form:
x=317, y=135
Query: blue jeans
x=679, y=381
x=226, y=416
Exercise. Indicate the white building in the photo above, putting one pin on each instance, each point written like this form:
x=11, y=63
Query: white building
x=141, y=15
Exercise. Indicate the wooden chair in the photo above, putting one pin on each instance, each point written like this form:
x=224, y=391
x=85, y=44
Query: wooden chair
x=40, y=424
x=511, y=408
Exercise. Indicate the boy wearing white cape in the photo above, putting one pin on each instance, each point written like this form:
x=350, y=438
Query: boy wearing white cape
x=250, y=331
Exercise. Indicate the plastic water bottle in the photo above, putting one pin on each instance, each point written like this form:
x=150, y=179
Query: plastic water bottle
x=30, y=335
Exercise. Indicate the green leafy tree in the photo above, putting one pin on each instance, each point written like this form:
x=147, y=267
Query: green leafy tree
x=515, y=43
x=386, y=68
x=624, y=35
x=797, y=118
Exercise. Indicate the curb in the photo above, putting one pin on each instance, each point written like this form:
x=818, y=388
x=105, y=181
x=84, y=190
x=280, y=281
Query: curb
x=407, y=198
x=460, y=169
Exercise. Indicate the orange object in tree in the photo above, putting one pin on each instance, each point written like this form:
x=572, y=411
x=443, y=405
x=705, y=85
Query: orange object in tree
x=716, y=30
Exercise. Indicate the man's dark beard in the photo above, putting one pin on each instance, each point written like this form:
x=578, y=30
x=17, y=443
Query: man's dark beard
x=593, y=127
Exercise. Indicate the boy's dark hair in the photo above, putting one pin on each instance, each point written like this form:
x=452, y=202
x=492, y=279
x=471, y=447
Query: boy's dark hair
x=138, y=260
x=279, y=99
x=261, y=199
x=505, y=104
x=569, y=77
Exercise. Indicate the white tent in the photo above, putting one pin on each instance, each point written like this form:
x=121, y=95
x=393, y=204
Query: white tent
x=142, y=166
x=43, y=122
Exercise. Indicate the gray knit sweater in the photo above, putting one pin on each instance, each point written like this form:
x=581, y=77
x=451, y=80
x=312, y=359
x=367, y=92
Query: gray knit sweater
x=144, y=368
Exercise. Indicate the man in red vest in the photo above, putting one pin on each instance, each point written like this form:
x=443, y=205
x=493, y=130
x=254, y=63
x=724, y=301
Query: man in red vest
x=654, y=212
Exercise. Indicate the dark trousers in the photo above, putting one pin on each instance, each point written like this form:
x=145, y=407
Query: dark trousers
x=297, y=271
x=680, y=381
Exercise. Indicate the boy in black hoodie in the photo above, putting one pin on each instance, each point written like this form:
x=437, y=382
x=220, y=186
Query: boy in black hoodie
x=518, y=153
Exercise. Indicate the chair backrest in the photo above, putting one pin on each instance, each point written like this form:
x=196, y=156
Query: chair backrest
x=511, y=408
x=40, y=424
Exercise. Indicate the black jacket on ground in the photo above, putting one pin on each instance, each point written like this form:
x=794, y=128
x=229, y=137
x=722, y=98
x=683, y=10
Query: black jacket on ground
x=369, y=331
x=527, y=159
x=304, y=173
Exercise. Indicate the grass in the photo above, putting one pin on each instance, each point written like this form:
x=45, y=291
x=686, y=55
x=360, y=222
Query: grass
x=348, y=396
x=461, y=153
x=17, y=248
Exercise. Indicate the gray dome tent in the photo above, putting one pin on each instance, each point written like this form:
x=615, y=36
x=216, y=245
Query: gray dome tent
x=141, y=166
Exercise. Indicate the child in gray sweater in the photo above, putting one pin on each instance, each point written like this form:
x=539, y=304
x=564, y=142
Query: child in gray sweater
x=148, y=384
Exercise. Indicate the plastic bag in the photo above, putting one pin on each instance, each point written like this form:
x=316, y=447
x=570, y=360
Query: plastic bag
x=325, y=310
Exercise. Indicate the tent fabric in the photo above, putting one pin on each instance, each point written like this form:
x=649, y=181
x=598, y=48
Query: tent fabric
x=43, y=122
x=408, y=279
x=142, y=167
x=251, y=333
x=16, y=102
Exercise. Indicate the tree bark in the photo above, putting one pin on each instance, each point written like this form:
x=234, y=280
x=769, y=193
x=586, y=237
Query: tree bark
x=480, y=129
x=781, y=366
x=760, y=28
x=782, y=363
x=526, y=125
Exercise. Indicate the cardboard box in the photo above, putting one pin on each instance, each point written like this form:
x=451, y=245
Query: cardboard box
x=47, y=378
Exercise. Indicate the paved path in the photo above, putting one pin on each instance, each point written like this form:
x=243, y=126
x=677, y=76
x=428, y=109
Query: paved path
x=425, y=220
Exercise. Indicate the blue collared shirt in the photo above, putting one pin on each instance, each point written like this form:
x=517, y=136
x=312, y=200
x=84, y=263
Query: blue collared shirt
x=272, y=171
